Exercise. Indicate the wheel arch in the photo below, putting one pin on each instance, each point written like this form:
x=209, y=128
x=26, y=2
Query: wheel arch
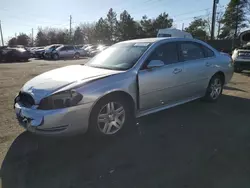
x=118, y=93
x=222, y=75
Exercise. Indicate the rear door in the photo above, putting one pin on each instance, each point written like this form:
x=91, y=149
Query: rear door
x=198, y=68
x=161, y=85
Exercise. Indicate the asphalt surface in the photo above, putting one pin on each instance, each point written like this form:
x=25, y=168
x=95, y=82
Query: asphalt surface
x=191, y=146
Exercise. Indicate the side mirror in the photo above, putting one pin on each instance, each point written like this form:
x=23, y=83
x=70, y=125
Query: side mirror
x=155, y=63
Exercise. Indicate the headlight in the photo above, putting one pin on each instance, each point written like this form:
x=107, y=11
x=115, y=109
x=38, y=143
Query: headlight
x=60, y=100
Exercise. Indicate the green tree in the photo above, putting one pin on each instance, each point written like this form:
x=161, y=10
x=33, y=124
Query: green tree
x=23, y=39
x=162, y=21
x=150, y=27
x=12, y=41
x=41, y=38
x=234, y=19
x=127, y=27
x=78, y=36
x=112, y=25
x=147, y=26
x=102, y=31
x=198, y=28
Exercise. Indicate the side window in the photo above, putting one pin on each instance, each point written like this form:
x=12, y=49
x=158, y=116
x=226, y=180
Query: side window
x=71, y=48
x=166, y=53
x=63, y=48
x=191, y=51
x=208, y=52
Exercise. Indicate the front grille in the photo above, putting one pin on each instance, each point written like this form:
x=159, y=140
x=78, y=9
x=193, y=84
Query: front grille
x=26, y=99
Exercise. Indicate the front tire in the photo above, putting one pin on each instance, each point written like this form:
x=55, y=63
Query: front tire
x=76, y=56
x=214, y=89
x=109, y=117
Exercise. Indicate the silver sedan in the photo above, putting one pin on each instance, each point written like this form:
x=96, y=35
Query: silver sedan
x=129, y=79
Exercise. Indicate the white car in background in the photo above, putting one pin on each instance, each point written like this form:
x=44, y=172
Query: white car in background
x=241, y=58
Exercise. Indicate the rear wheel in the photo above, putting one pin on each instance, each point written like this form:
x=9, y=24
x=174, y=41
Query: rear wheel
x=214, y=88
x=110, y=116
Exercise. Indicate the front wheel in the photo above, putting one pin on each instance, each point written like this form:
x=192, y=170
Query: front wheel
x=76, y=56
x=214, y=88
x=109, y=117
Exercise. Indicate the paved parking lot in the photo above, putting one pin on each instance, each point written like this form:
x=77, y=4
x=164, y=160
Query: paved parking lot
x=192, y=146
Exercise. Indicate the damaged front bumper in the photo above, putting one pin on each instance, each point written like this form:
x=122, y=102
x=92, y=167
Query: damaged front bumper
x=66, y=121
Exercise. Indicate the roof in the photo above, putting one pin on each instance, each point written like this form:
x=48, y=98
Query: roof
x=149, y=40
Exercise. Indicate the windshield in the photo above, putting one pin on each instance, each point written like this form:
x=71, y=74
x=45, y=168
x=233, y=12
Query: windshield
x=120, y=56
x=52, y=47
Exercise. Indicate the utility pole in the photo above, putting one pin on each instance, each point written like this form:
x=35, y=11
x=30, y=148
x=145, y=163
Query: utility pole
x=1, y=33
x=70, y=28
x=213, y=18
x=32, y=37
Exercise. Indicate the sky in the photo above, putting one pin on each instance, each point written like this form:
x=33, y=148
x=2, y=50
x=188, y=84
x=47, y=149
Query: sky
x=22, y=15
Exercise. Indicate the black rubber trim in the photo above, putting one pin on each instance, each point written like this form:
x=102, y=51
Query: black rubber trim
x=137, y=93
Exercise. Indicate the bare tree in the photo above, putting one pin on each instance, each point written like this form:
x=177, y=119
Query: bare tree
x=219, y=18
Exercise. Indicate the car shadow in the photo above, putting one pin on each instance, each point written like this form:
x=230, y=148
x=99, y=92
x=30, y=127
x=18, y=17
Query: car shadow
x=233, y=89
x=9, y=62
x=193, y=145
x=246, y=73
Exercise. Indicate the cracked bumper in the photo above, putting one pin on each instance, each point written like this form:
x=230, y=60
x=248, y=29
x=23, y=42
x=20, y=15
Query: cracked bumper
x=66, y=121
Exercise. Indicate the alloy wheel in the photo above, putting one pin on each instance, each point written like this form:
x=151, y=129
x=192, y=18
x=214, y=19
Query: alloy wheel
x=216, y=88
x=111, y=118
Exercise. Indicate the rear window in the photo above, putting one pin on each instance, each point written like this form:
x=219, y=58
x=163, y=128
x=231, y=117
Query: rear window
x=164, y=35
x=208, y=52
x=191, y=51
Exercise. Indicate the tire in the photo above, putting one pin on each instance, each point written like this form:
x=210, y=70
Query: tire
x=76, y=56
x=238, y=70
x=214, y=89
x=104, y=123
x=55, y=56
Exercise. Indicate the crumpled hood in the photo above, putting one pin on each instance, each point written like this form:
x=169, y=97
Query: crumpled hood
x=51, y=81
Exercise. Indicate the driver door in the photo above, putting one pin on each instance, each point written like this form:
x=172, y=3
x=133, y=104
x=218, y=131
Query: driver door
x=160, y=86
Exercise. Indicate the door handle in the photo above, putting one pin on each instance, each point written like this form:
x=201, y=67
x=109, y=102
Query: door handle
x=177, y=70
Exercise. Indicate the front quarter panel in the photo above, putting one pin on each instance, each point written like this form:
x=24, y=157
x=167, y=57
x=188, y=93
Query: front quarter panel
x=124, y=81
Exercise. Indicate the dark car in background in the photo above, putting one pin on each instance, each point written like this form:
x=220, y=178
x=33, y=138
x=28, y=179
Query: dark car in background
x=10, y=54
